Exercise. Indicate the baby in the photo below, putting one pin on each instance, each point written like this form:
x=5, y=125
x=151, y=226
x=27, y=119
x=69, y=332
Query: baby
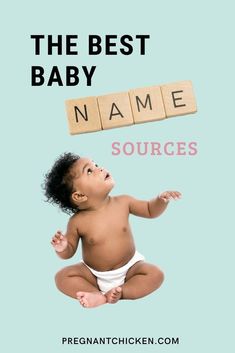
x=111, y=268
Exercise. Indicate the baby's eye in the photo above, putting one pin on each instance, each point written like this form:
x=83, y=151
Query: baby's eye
x=89, y=171
x=96, y=165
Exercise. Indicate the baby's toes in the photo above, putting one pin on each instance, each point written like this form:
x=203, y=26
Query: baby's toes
x=83, y=302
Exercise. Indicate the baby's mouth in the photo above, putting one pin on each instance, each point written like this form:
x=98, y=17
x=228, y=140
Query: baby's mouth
x=107, y=176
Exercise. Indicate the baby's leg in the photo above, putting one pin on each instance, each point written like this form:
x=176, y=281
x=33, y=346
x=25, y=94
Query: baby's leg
x=78, y=282
x=141, y=280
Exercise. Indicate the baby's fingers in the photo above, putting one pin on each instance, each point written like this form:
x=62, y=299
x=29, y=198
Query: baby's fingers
x=175, y=194
x=57, y=239
x=59, y=234
x=169, y=195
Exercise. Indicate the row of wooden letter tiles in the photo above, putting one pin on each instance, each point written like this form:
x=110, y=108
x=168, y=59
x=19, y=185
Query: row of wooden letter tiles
x=126, y=108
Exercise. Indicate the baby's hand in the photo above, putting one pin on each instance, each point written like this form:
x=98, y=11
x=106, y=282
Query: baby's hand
x=59, y=241
x=169, y=195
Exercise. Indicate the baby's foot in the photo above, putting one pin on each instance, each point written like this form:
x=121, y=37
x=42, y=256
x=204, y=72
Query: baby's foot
x=91, y=299
x=113, y=295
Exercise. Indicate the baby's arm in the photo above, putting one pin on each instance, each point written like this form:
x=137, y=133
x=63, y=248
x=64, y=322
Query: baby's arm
x=66, y=245
x=154, y=207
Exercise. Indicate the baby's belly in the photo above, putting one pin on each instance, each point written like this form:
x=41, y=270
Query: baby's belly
x=108, y=257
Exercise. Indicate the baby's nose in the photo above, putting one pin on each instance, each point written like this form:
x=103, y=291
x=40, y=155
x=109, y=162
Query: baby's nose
x=99, y=169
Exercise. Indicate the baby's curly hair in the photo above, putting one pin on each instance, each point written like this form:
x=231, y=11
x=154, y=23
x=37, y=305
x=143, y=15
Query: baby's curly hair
x=58, y=184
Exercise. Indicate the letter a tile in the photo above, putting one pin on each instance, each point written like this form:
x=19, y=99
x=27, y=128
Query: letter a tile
x=115, y=110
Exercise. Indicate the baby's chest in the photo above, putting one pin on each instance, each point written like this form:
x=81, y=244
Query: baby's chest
x=103, y=230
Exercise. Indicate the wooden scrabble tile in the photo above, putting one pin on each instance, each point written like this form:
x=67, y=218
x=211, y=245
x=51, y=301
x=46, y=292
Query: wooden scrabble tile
x=83, y=115
x=115, y=110
x=178, y=98
x=147, y=104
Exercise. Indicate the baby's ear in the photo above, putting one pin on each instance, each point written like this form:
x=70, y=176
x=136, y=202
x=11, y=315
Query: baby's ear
x=78, y=197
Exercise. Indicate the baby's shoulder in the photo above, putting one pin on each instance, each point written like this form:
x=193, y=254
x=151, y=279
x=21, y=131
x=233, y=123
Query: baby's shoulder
x=74, y=219
x=75, y=222
x=124, y=199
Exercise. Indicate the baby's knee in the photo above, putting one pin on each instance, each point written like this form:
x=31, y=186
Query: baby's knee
x=158, y=276
x=161, y=275
x=59, y=278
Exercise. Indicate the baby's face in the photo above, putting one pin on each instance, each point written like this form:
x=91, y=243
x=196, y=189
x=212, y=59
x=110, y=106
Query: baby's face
x=90, y=179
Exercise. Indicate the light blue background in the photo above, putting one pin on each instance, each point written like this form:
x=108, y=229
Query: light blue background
x=193, y=241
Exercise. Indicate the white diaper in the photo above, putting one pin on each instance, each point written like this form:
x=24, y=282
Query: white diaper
x=107, y=280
